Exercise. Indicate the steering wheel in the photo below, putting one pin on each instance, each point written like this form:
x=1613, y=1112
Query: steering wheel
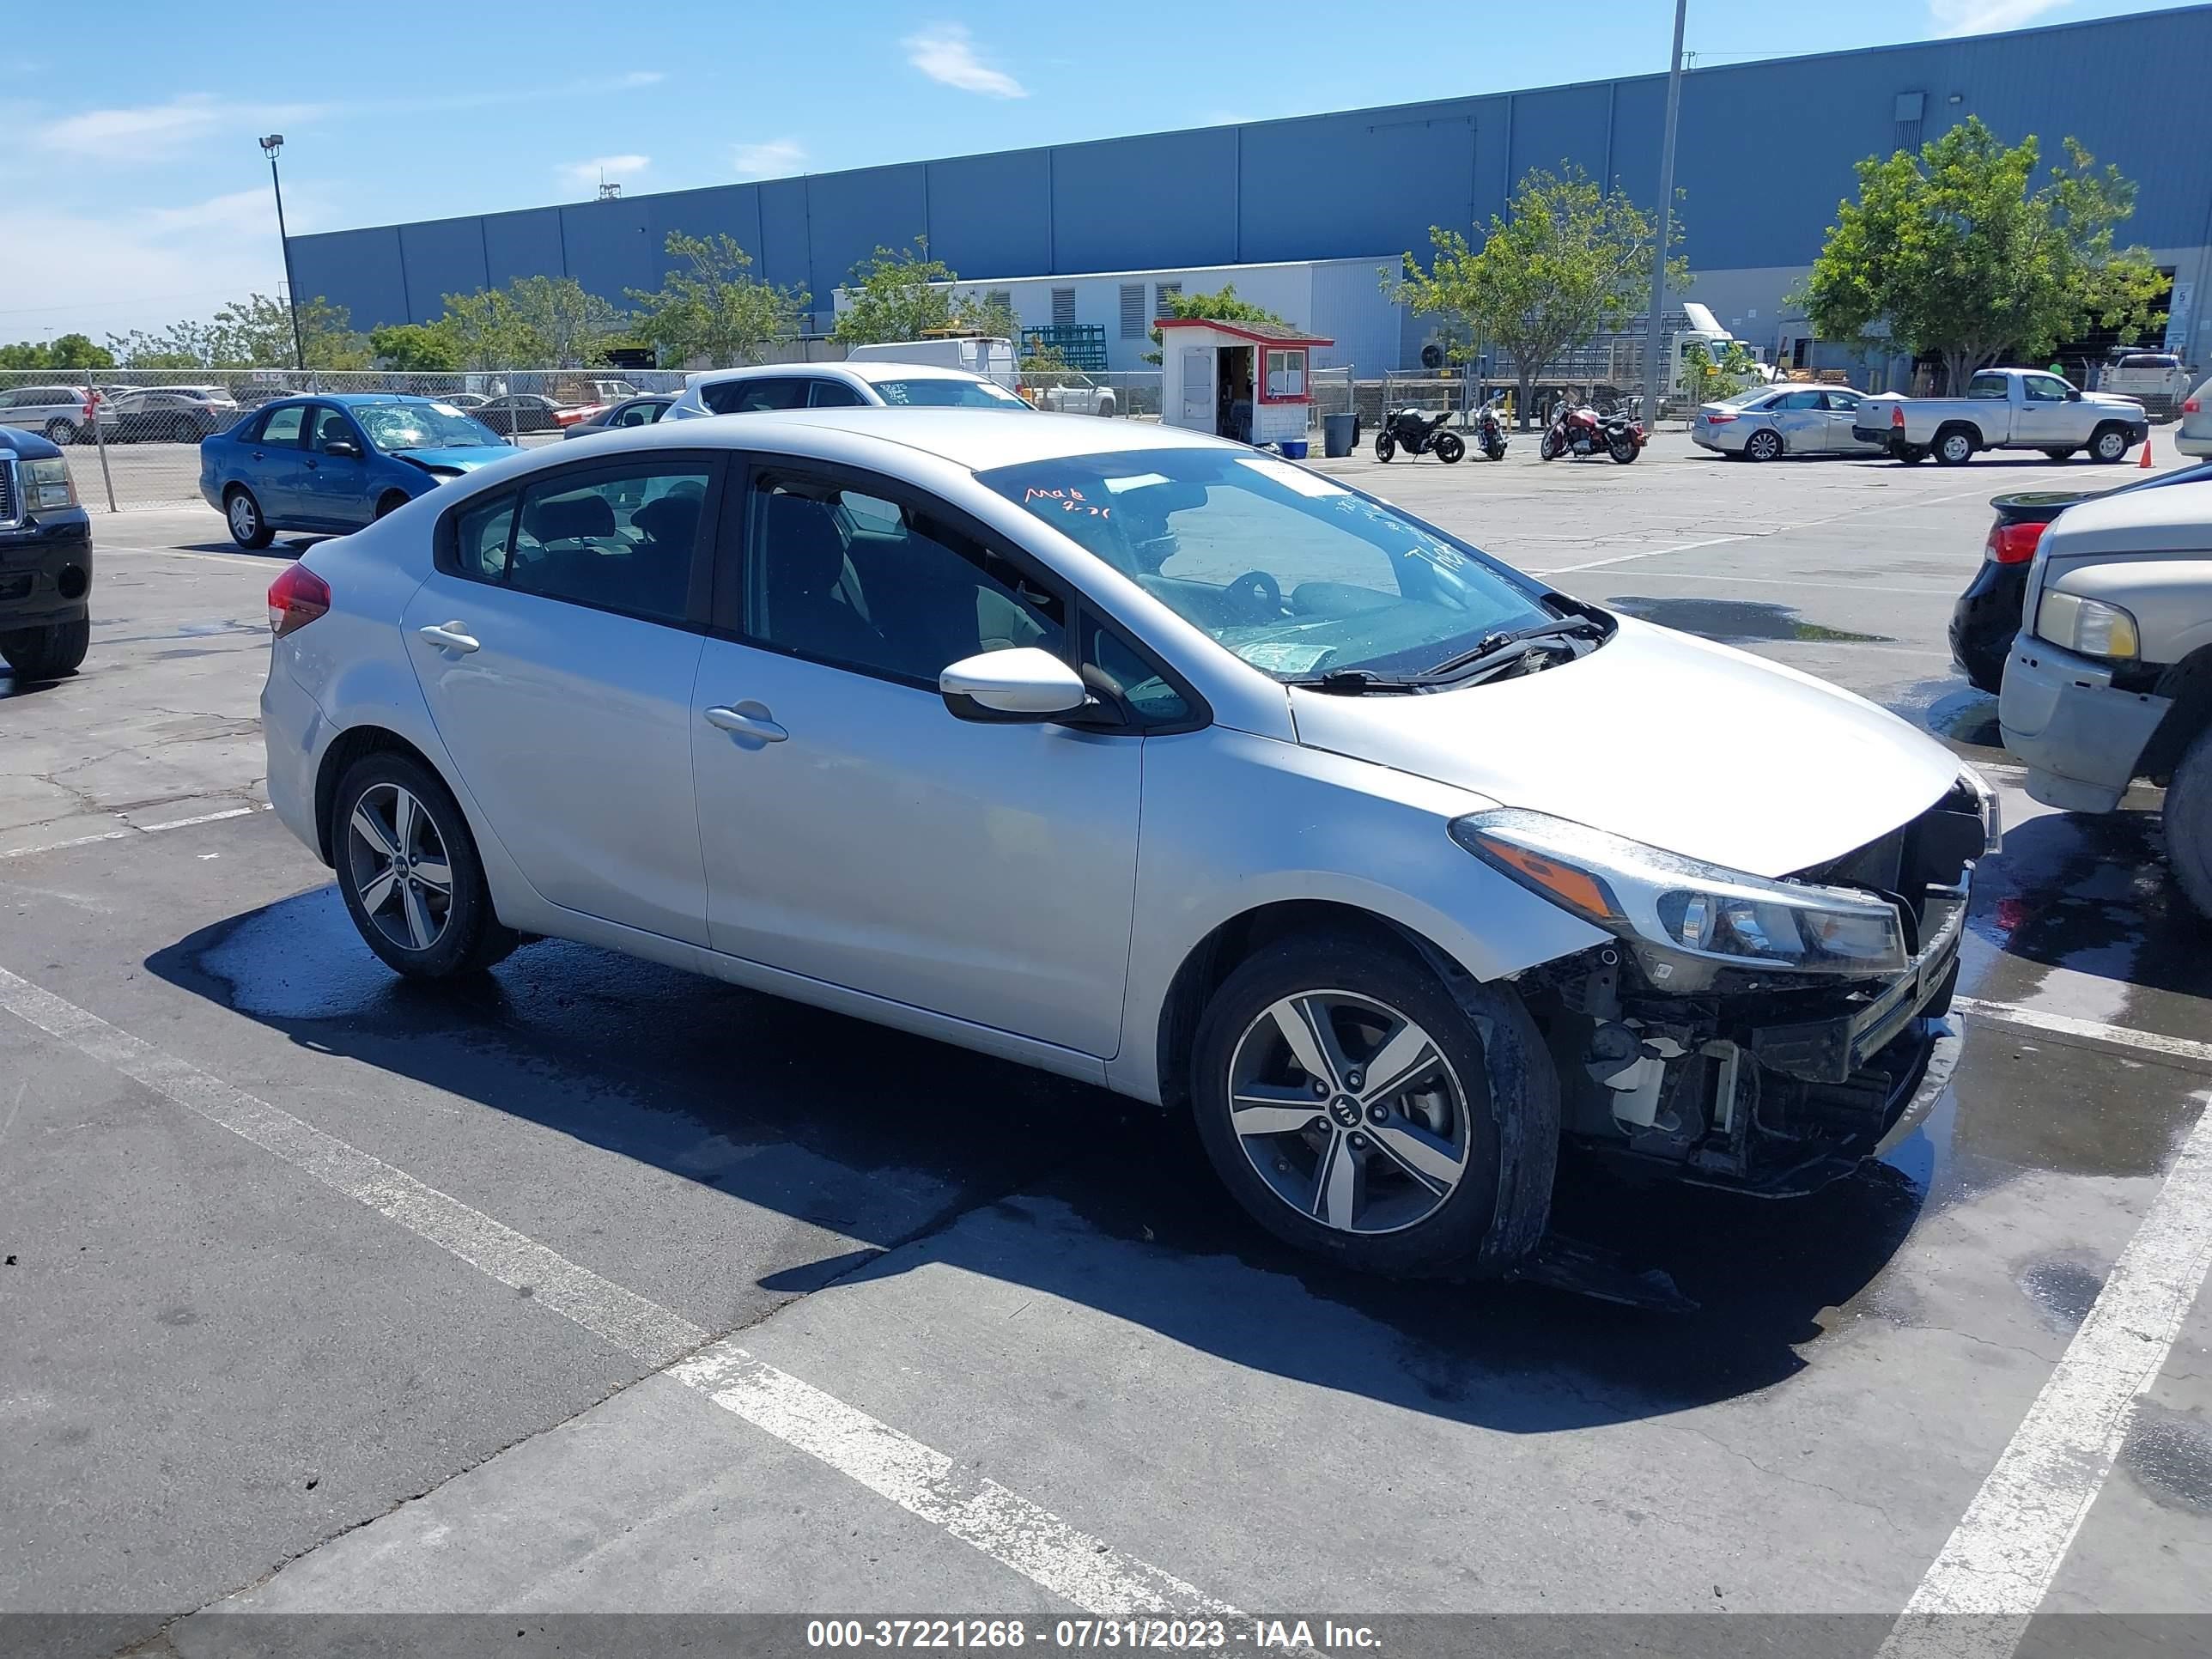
x=1255, y=597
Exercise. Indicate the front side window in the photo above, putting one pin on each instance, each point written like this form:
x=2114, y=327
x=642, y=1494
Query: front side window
x=2045, y=389
x=948, y=394
x=398, y=427
x=621, y=541
x=282, y=426
x=1987, y=385
x=1293, y=573
x=750, y=397
x=1845, y=403
x=330, y=424
x=833, y=394
x=847, y=577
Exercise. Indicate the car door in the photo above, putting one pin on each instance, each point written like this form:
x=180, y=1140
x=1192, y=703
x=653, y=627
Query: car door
x=556, y=641
x=334, y=492
x=2047, y=419
x=858, y=833
x=273, y=467
x=1842, y=409
x=1802, y=418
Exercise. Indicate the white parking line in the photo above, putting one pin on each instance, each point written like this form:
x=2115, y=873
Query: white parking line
x=1975, y=1603
x=2095, y=1030
x=1648, y=553
x=1009, y=1528
x=274, y=562
x=130, y=829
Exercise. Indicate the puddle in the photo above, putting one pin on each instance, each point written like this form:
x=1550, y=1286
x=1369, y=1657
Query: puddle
x=2062, y=1290
x=2169, y=1453
x=1737, y=622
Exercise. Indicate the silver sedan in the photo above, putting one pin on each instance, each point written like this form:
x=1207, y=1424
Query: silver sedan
x=1767, y=422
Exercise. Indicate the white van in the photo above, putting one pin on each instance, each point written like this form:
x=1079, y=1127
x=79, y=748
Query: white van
x=979, y=353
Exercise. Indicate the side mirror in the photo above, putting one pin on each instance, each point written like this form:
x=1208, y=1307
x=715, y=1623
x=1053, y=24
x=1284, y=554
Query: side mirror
x=342, y=446
x=1010, y=687
x=2073, y=394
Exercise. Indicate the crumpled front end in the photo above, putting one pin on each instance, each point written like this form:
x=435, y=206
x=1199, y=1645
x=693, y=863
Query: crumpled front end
x=1756, y=1080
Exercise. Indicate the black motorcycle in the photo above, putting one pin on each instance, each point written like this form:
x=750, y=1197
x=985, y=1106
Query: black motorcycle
x=1409, y=430
x=1489, y=431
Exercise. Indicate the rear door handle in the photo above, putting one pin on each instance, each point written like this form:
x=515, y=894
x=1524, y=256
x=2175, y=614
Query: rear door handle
x=747, y=719
x=453, y=635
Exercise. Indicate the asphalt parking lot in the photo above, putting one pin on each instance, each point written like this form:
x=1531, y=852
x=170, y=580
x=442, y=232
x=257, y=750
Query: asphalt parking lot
x=603, y=1288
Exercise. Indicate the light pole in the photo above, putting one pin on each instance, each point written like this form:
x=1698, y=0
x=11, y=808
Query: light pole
x=1654, y=375
x=275, y=142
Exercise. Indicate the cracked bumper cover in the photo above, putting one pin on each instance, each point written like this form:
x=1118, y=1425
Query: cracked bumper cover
x=2079, y=735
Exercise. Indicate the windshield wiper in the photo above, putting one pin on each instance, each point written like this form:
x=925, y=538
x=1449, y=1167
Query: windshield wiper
x=1491, y=646
x=1352, y=683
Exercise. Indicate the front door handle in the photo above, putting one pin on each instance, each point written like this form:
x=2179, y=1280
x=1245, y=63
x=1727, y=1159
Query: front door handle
x=747, y=719
x=453, y=635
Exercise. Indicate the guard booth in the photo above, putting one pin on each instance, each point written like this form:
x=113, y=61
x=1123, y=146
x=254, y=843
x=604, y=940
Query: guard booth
x=1243, y=380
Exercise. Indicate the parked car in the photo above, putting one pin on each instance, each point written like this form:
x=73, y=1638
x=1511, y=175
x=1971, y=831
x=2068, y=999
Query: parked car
x=1392, y=950
x=45, y=559
x=520, y=411
x=62, y=413
x=2004, y=408
x=634, y=411
x=993, y=356
x=2112, y=681
x=336, y=462
x=464, y=400
x=1767, y=422
x=2195, y=435
x=255, y=393
x=1076, y=394
x=168, y=414
x=836, y=386
x=2157, y=380
x=1988, y=615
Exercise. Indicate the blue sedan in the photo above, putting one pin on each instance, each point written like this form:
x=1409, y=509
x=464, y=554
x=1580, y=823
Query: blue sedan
x=332, y=463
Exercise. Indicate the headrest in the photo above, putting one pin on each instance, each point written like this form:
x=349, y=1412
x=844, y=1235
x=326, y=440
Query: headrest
x=804, y=548
x=570, y=517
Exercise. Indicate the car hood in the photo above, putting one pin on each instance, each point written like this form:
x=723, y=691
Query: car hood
x=1663, y=738
x=2113, y=400
x=461, y=458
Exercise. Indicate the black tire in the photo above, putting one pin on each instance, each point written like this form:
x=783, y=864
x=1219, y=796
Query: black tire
x=1954, y=447
x=1451, y=449
x=1385, y=446
x=391, y=502
x=1497, y=1211
x=1908, y=454
x=2060, y=454
x=2108, y=444
x=242, y=512
x=1764, y=445
x=1495, y=452
x=48, y=652
x=1623, y=449
x=1547, y=448
x=2188, y=822
x=470, y=937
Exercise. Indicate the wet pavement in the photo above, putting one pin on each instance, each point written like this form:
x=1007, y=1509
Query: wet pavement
x=228, y=1385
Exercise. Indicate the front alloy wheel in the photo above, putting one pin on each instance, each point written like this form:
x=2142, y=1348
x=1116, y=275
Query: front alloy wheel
x=1347, y=1109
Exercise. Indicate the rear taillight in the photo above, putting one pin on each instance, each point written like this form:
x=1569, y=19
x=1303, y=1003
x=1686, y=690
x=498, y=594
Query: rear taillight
x=2012, y=544
x=297, y=598
x=1718, y=420
x=2191, y=406
x=1897, y=417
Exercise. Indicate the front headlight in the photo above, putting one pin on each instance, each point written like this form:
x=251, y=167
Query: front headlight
x=2090, y=626
x=1684, y=906
x=47, y=484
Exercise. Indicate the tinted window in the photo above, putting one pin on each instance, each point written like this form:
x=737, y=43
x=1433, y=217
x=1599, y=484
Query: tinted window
x=948, y=394
x=879, y=585
x=1796, y=400
x=2043, y=389
x=833, y=394
x=1848, y=402
x=282, y=426
x=1987, y=385
x=749, y=397
x=618, y=542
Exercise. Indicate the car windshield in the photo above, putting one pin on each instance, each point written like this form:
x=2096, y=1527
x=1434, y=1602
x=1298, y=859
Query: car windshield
x=930, y=393
x=422, y=426
x=1299, y=576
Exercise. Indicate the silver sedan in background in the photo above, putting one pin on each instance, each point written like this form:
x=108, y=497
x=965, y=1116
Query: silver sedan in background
x=1767, y=422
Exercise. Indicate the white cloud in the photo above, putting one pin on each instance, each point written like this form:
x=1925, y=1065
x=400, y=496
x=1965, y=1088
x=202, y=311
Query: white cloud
x=772, y=159
x=149, y=132
x=1984, y=16
x=641, y=78
x=944, y=52
x=251, y=212
x=611, y=168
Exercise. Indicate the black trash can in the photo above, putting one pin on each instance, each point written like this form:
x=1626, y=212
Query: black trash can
x=1339, y=433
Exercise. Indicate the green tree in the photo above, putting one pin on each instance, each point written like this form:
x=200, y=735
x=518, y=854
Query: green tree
x=69, y=351
x=1706, y=377
x=1951, y=252
x=1222, y=306
x=708, y=304
x=416, y=347
x=255, y=332
x=180, y=345
x=486, y=330
x=1571, y=261
x=575, y=325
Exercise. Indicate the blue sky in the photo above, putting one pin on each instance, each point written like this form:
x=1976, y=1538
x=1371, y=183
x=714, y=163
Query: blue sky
x=145, y=198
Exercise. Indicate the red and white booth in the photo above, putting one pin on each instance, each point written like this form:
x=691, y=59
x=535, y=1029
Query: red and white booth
x=1249, y=381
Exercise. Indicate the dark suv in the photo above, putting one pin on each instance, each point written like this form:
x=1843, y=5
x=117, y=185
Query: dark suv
x=45, y=559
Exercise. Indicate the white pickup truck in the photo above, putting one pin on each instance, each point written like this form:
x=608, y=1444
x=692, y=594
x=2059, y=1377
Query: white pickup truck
x=2004, y=408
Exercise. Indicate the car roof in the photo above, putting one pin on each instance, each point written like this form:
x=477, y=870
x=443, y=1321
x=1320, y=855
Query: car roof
x=2178, y=519
x=865, y=368
x=977, y=439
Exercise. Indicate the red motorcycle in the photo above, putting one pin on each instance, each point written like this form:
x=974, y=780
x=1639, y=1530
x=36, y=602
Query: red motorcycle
x=1580, y=430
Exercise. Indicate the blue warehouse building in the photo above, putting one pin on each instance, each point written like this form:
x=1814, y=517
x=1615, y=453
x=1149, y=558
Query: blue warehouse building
x=1765, y=151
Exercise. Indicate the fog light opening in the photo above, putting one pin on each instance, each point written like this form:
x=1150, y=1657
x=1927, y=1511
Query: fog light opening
x=73, y=581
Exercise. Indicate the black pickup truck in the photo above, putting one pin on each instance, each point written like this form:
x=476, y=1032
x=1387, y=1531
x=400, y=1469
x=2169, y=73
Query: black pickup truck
x=45, y=559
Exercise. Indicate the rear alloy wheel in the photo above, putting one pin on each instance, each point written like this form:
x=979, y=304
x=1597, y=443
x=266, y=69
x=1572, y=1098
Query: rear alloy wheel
x=1623, y=448
x=1763, y=445
x=48, y=652
x=1346, y=1099
x=1955, y=448
x=61, y=432
x=2108, y=445
x=408, y=869
x=243, y=514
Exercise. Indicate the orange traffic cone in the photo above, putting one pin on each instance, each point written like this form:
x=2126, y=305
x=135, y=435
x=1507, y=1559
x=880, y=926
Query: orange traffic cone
x=2145, y=463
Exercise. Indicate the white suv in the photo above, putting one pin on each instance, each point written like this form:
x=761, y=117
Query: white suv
x=836, y=386
x=63, y=413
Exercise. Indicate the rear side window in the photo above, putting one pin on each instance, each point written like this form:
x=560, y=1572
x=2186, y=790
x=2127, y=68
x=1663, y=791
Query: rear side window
x=833, y=394
x=749, y=397
x=1987, y=385
x=623, y=541
x=282, y=426
x=482, y=535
